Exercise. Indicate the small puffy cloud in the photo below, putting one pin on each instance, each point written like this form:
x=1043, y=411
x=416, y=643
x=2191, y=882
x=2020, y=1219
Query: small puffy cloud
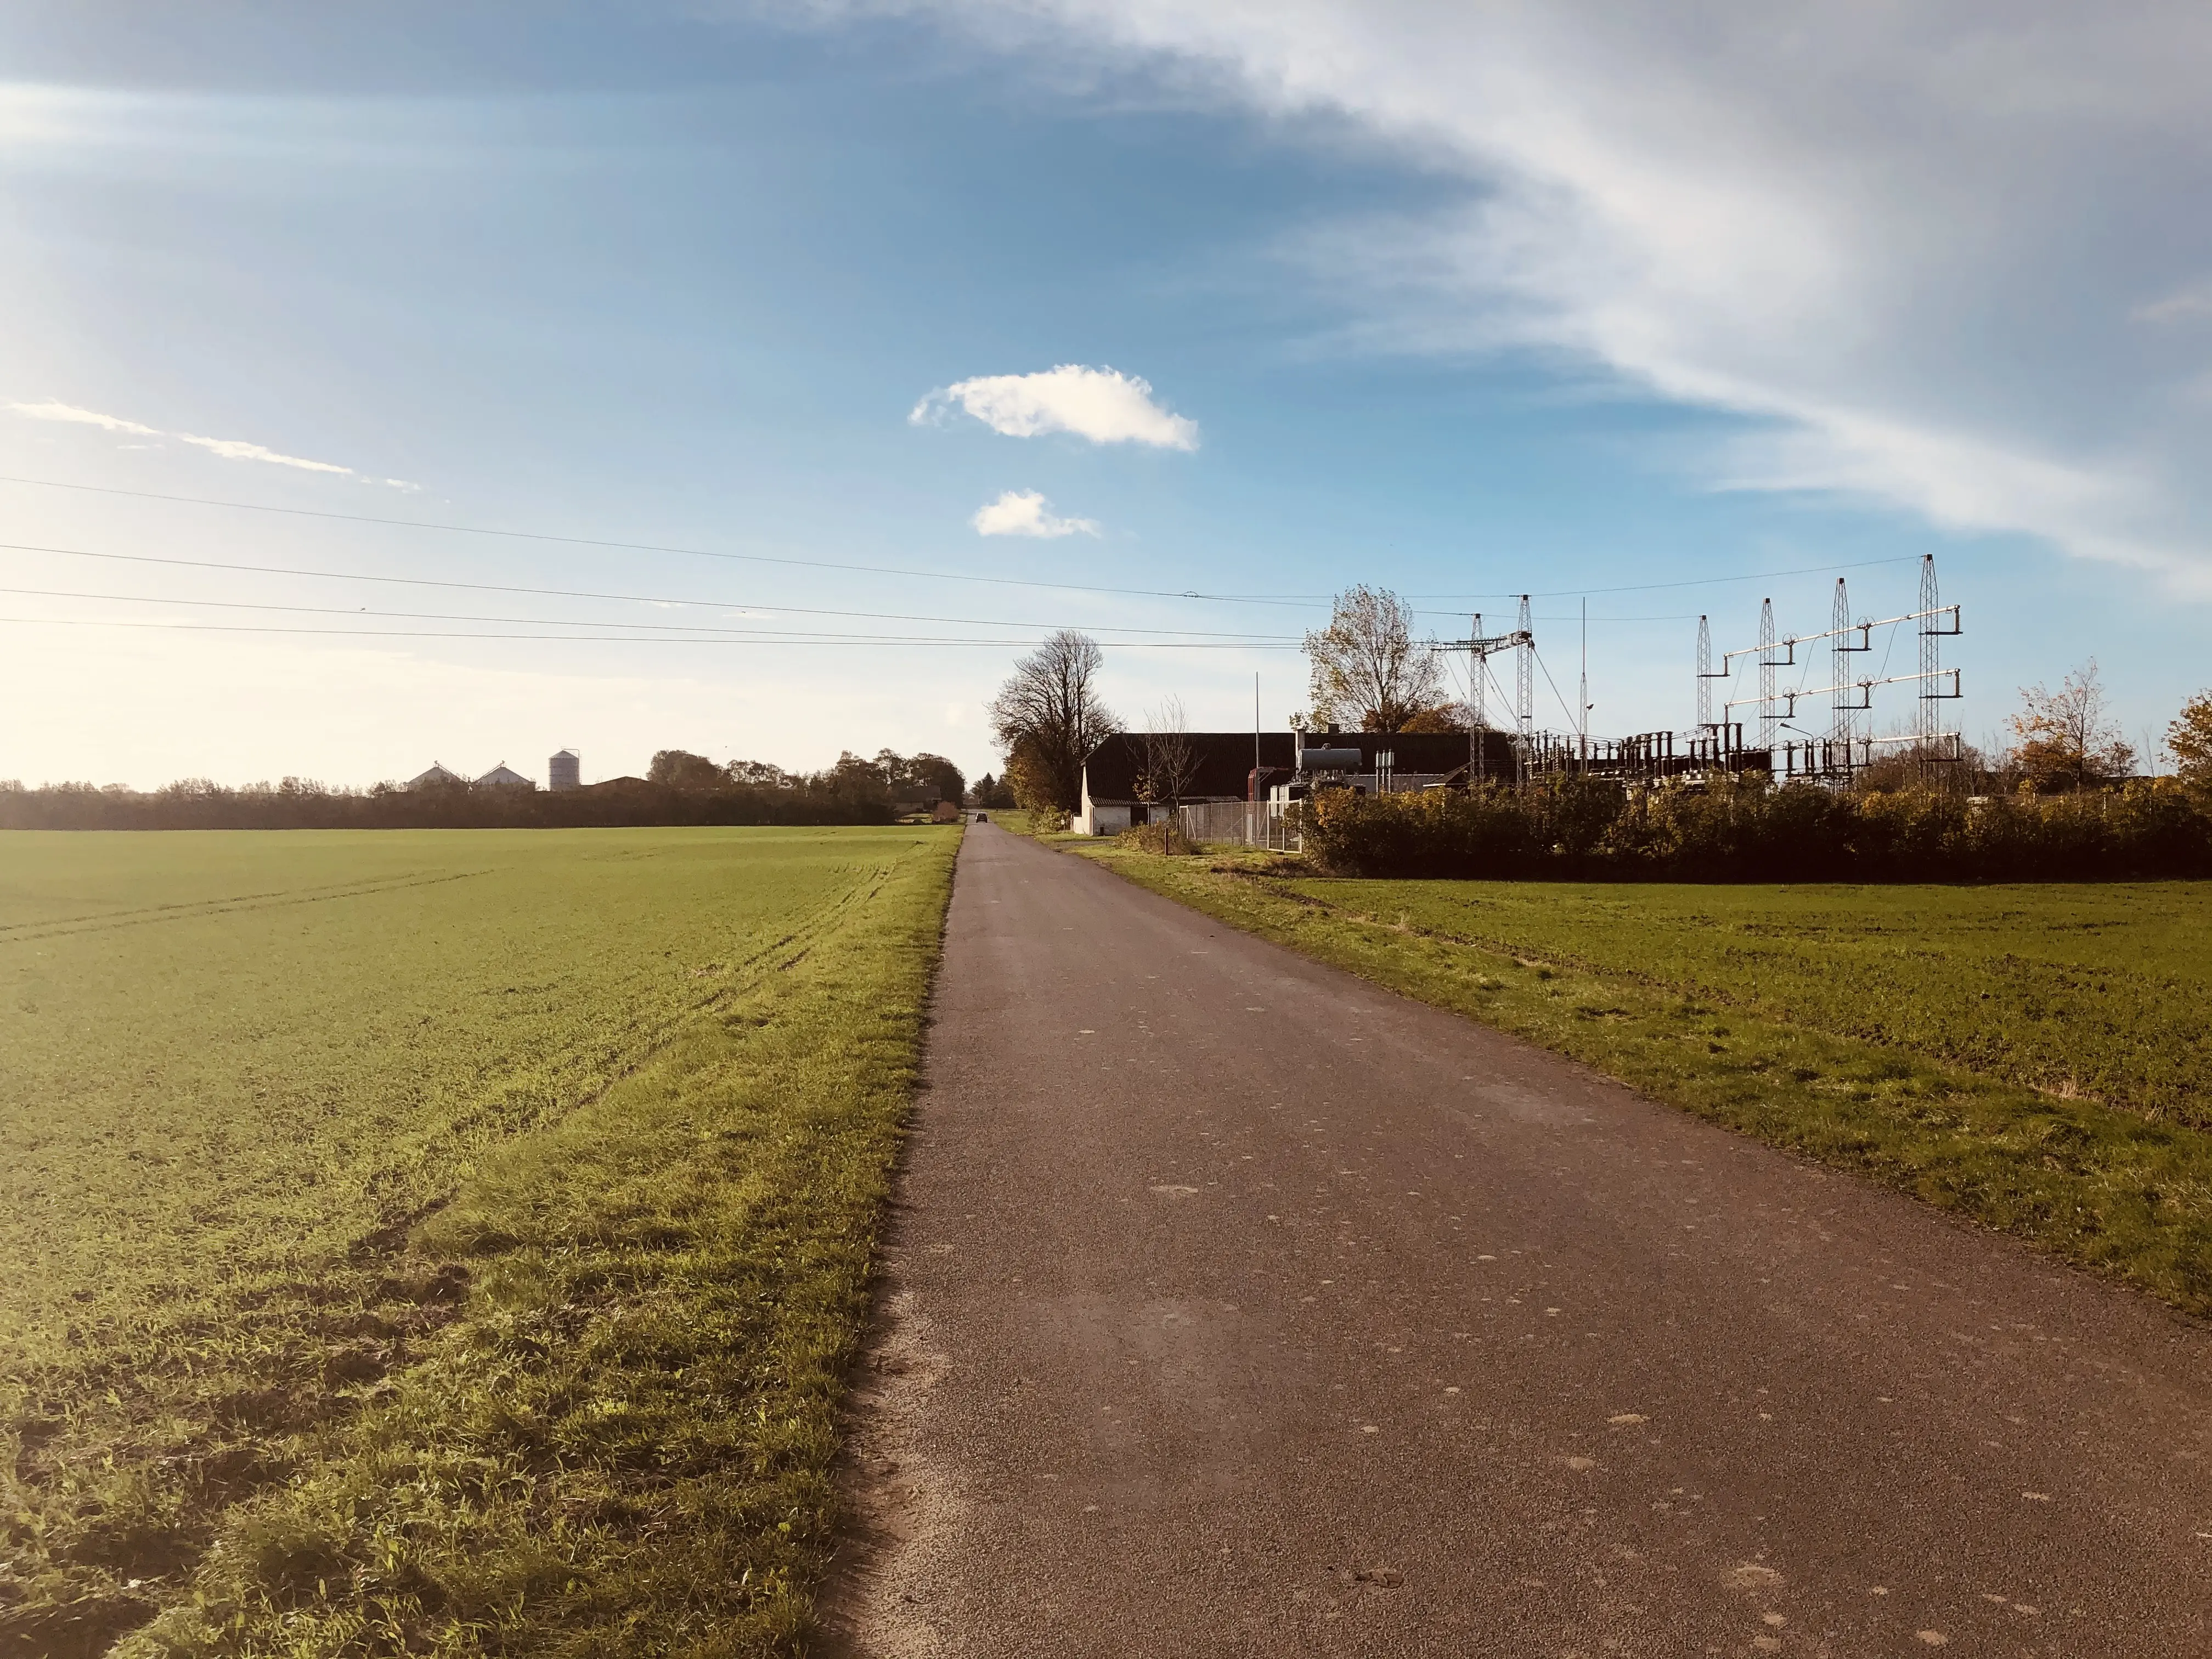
x=1026, y=513
x=52, y=410
x=237, y=449
x=1102, y=404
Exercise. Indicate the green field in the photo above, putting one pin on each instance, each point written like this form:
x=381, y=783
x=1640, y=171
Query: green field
x=2099, y=991
x=2036, y=1058
x=440, y=1242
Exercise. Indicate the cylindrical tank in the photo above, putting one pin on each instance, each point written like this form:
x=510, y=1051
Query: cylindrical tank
x=565, y=770
x=1317, y=759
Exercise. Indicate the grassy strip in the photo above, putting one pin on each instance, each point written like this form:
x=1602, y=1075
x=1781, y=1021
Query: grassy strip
x=2106, y=1188
x=621, y=1442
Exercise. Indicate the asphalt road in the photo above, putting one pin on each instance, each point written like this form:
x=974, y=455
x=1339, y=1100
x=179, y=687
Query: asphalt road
x=1236, y=1307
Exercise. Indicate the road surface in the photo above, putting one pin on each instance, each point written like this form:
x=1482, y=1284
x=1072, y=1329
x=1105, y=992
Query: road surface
x=1236, y=1307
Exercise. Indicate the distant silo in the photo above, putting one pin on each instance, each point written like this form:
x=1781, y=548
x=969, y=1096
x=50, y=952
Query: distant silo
x=565, y=770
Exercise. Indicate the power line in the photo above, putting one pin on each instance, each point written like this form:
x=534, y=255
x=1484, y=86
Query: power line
x=609, y=639
x=1652, y=588
x=1296, y=600
x=439, y=615
x=1554, y=685
x=1300, y=600
x=578, y=593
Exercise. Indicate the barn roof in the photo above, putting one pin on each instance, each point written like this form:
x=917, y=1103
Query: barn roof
x=1225, y=758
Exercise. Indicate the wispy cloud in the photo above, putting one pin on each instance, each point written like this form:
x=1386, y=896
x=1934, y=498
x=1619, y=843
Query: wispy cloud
x=230, y=449
x=1914, y=241
x=237, y=449
x=70, y=413
x=2195, y=301
x=1102, y=404
x=1026, y=513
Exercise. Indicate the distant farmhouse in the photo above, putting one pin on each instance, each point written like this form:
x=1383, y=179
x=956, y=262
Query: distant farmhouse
x=1247, y=766
x=501, y=776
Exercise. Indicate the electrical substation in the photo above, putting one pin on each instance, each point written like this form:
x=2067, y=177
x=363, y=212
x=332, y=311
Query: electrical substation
x=1748, y=714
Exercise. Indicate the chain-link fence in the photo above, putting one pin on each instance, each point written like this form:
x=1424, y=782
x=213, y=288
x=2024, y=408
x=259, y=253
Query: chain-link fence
x=1244, y=824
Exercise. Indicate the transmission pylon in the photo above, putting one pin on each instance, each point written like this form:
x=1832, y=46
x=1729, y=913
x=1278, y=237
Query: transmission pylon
x=1767, y=718
x=1478, y=694
x=1704, y=675
x=1839, y=662
x=1931, y=656
x=1524, y=693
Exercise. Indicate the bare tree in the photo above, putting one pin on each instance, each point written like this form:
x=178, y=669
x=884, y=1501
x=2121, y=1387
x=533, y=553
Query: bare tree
x=2067, y=739
x=1369, y=671
x=1048, y=716
x=1168, y=759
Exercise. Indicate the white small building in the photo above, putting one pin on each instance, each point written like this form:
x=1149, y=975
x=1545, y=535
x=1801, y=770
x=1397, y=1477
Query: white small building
x=436, y=778
x=503, y=776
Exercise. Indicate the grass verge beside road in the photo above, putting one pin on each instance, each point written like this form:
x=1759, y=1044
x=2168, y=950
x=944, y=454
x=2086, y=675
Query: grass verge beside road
x=440, y=1242
x=2034, y=1059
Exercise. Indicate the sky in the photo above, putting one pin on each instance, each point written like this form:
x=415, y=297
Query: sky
x=463, y=382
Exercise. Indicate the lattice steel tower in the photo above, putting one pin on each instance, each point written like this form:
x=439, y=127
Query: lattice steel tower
x=1767, y=717
x=1931, y=656
x=1839, y=661
x=1704, y=675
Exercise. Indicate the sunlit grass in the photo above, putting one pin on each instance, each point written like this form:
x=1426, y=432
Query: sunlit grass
x=440, y=1242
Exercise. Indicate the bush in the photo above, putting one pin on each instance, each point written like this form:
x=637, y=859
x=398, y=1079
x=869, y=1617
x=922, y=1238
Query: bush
x=1749, y=829
x=1165, y=837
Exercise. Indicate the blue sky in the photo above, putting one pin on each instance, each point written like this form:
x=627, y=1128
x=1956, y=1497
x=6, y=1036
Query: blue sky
x=1464, y=300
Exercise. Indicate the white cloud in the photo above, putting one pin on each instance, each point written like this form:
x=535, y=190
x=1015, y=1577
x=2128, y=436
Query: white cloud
x=2188, y=302
x=1912, y=241
x=52, y=410
x=1026, y=513
x=230, y=449
x=237, y=449
x=1102, y=404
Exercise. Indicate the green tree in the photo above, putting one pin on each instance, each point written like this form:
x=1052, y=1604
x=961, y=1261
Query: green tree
x=1048, y=717
x=2066, y=739
x=2188, y=740
x=679, y=768
x=920, y=776
x=1368, y=671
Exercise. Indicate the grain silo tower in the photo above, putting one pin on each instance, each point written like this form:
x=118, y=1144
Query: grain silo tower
x=565, y=770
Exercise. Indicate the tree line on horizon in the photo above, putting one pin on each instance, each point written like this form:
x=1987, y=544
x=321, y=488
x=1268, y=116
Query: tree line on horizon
x=679, y=788
x=1369, y=672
